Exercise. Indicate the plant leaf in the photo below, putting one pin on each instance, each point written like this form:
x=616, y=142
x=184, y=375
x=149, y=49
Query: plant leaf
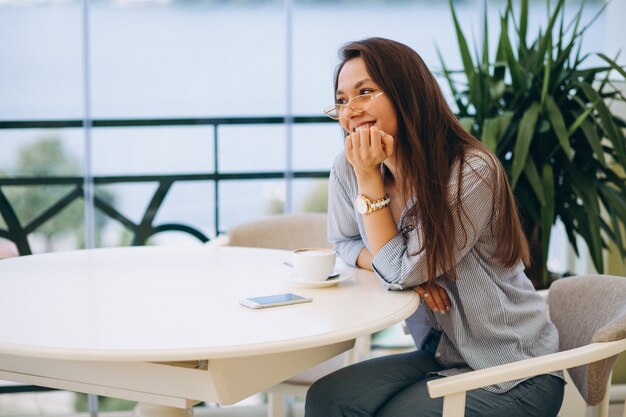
x=485, y=36
x=490, y=133
x=589, y=221
x=514, y=65
x=524, y=138
x=547, y=39
x=499, y=68
x=592, y=138
x=570, y=230
x=468, y=64
x=523, y=23
x=446, y=73
x=613, y=64
x=616, y=208
x=476, y=95
x=580, y=119
x=546, y=80
x=558, y=125
x=585, y=229
x=504, y=121
x=608, y=124
x=547, y=214
x=467, y=123
x=532, y=175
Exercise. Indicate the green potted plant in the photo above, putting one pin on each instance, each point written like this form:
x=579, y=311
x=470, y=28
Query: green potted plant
x=547, y=116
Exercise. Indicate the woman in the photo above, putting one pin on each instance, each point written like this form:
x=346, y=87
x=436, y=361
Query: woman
x=425, y=205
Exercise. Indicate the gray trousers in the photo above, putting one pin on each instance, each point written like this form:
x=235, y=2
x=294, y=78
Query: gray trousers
x=395, y=386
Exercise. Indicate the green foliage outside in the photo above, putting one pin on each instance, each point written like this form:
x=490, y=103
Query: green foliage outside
x=46, y=158
x=316, y=201
x=105, y=404
x=275, y=206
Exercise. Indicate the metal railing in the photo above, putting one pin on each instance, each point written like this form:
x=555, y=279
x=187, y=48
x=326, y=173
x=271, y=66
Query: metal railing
x=145, y=227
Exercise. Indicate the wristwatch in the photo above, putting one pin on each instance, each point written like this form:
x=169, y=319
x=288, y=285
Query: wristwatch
x=365, y=205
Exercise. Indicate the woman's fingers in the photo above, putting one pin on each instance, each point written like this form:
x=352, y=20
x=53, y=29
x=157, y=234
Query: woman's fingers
x=356, y=143
x=435, y=297
x=365, y=148
x=386, y=143
x=425, y=296
x=364, y=141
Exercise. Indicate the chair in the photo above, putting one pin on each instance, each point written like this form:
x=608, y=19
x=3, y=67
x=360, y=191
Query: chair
x=283, y=231
x=590, y=314
x=290, y=231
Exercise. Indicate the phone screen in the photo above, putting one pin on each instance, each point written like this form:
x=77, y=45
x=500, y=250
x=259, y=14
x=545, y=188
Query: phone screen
x=274, y=300
x=277, y=298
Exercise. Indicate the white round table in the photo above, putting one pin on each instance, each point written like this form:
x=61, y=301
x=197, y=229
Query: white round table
x=164, y=326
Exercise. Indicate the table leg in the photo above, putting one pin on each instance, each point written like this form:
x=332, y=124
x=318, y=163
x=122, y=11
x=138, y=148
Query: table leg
x=153, y=410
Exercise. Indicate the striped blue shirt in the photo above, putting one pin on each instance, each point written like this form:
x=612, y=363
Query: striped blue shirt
x=496, y=316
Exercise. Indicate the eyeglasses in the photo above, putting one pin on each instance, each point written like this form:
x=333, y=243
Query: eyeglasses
x=357, y=104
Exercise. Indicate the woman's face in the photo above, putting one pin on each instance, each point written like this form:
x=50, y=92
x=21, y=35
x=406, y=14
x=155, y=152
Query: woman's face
x=353, y=81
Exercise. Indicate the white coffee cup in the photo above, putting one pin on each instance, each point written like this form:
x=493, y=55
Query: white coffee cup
x=313, y=264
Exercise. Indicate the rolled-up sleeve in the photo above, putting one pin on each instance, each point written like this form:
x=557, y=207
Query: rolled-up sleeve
x=397, y=267
x=343, y=229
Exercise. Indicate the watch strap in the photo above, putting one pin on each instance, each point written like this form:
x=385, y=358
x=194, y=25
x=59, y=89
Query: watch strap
x=375, y=205
x=379, y=204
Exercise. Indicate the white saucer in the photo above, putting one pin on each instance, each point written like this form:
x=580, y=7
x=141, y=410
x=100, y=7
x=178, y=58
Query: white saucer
x=345, y=274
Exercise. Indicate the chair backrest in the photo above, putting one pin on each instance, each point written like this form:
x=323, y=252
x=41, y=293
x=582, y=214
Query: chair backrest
x=588, y=309
x=283, y=231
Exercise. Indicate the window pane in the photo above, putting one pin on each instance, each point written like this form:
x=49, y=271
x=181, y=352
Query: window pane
x=129, y=198
x=187, y=59
x=321, y=28
x=315, y=146
x=252, y=148
x=65, y=231
x=242, y=201
x=310, y=195
x=39, y=158
x=153, y=150
x=191, y=204
x=41, y=56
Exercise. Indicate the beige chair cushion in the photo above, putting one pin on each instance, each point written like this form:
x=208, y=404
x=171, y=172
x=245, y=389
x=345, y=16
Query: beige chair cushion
x=589, y=309
x=285, y=231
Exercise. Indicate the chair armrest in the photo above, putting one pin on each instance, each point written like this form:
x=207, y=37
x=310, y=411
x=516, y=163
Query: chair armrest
x=524, y=369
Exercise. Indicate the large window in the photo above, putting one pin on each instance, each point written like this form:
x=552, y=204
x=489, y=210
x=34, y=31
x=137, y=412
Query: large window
x=194, y=64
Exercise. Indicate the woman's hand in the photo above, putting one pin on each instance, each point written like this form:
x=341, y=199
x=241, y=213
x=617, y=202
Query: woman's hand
x=367, y=148
x=436, y=297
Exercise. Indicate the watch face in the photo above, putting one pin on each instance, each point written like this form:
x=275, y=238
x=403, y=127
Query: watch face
x=361, y=205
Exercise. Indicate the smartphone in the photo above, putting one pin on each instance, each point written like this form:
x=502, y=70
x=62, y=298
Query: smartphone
x=274, y=300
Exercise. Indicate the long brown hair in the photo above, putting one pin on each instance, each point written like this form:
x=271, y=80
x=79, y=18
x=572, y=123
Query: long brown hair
x=430, y=143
